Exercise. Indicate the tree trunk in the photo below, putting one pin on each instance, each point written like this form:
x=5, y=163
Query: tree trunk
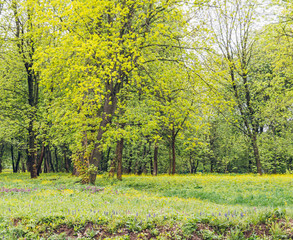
x=66, y=164
x=50, y=159
x=32, y=99
x=119, y=158
x=1, y=156
x=249, y=164
x=39, y=166
x=196, y=166
x=193, y=167
x=47, y=160
x=23, y=167
x=107, y=115
x=56, y=160
x=212, y=164
x=155, y=173
x=173, y=152
x=191, y=162
x=45, y=170
x=170, y=157
x=129, y=161
x=108, y=157
x=31, y=152
x=143, y=161
x=17, y=162
x=256, y=154
x=25, y=45
x=12, y=158
x=46, y=165
x=150, y=158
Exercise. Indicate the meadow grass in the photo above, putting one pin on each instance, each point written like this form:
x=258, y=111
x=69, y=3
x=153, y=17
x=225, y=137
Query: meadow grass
x=225, y=205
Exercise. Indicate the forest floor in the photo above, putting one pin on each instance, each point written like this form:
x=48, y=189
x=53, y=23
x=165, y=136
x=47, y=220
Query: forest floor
x=57, y=206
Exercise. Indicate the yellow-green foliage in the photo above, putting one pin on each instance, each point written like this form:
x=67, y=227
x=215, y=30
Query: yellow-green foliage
x=93, y=50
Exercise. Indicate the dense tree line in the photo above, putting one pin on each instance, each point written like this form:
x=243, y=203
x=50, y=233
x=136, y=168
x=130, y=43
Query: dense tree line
x=145, y=87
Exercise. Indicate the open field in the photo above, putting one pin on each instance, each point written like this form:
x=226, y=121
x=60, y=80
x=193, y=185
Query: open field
x=57, y=206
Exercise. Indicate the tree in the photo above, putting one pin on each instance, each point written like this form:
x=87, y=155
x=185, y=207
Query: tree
x=18, y=50
x=99, y=52
x=231, y=25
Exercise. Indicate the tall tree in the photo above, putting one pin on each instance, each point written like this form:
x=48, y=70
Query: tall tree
x=20, y=44
x=232, y=29
x=103, y=44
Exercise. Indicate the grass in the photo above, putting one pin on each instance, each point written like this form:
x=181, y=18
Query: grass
x=57, y=206
x=248, y=190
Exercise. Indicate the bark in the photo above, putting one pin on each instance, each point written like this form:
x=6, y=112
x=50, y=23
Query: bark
x=248, y=117
x=150, y=158
x=155, y=173
x=46, y=161
x=107, y=115
x=254, y=129
x=56, y=159
x=107, y=159
x=256, y=154
x=23, y=166
x=23, y=47
x=193, y=167
x=112, y=88
x=50, y=159
x=170, y=158
x=108, y=154
x=129, y=161
x=12, y=158
x=191, y=162
x=173, y=152
x=17, y=162
x=143, y=162
x=212, y=164
x=1, y=156
x=45, y=169
x=66, y=163
x=31, y=161
x=212, y=155
x=39, y=166
x=119, y=158
x=15, y=165
x=250, y=165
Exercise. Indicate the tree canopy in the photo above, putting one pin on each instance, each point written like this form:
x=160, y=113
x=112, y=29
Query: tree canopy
x=148, y=86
